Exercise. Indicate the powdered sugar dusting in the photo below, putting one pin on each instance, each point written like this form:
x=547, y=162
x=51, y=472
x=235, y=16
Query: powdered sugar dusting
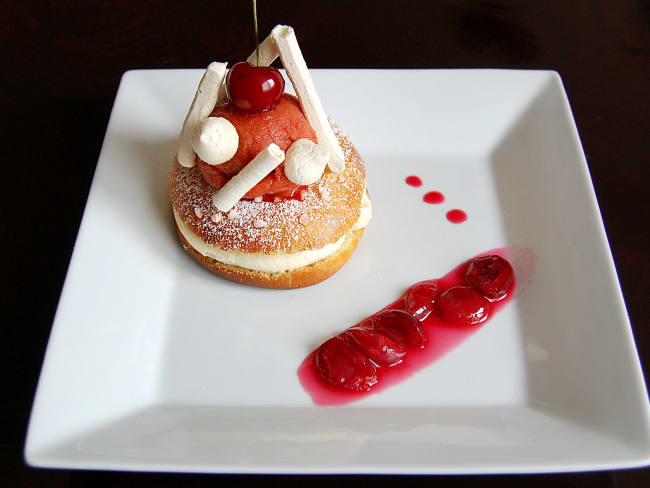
x=327, y=217
x=338, y=130
x=324, y=193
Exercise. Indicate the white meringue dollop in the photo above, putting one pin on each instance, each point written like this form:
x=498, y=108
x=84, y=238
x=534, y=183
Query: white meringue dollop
x=305, y=161
x=216, y=140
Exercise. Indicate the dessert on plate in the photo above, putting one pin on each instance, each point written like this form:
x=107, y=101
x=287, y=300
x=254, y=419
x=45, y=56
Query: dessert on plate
x=265, y=189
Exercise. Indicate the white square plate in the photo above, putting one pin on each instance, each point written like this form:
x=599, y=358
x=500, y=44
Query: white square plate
x=155, y=364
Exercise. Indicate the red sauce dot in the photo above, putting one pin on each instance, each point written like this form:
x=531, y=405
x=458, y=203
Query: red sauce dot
x=413, y=181
x=433, y=197
x=456, y=216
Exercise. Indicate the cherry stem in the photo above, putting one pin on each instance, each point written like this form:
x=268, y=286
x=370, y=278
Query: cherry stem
x=257, y=36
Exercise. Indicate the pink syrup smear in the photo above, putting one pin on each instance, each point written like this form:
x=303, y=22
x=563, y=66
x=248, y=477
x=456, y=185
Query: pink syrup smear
x=433, y=197
x=413, y=181
x=441, y=337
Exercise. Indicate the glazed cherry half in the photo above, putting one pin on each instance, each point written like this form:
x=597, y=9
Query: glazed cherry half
x=342, y=366
x=254, y=88
x=462, y=305
x=491, y=275
x=421, y=298
x=380, y=349
x=400, y=326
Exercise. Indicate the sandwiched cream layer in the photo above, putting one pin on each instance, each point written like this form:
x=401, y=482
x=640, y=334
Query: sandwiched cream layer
x=271, y=263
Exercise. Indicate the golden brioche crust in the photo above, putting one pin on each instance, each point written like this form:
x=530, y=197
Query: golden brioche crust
x=330, y=209
x=296, y=278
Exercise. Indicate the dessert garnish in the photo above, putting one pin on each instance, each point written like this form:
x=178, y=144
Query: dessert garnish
x=455, y=216
x=400, y=326
x=433, y=197
x=413, y=180
x=305, y=161
x=215, y=140
x=252, y=89
x=428, y=320
x=379, y=348
x=340, y=364
x=266, y=161
x=491, y=275
x=463, y=305
x=204, y=101
x=420, y=299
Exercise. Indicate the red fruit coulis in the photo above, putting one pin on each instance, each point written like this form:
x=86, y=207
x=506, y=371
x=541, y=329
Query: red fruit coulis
x=456, y=216
x=413, y=181
x=441, y=337
x=434, y=197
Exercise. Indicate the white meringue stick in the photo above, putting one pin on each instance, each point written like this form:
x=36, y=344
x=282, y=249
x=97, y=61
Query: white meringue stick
x=222, y=93
x=204, y=101
x=268, y=52
x=305, y=162
x=294, y=63
x=266, y=161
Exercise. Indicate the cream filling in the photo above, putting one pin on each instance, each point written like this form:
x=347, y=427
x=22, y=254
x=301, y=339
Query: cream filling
x=366, y=212
x=271, y=263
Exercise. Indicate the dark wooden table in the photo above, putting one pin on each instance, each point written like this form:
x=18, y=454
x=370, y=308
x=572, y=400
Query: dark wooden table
x=61, y=64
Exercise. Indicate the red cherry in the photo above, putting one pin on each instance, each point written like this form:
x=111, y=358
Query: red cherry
x=254, y=88
x=342, y=366
x=492, y=275
x=400, y=326
x=380, y=349
x=463, y=305
x=421, y=297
